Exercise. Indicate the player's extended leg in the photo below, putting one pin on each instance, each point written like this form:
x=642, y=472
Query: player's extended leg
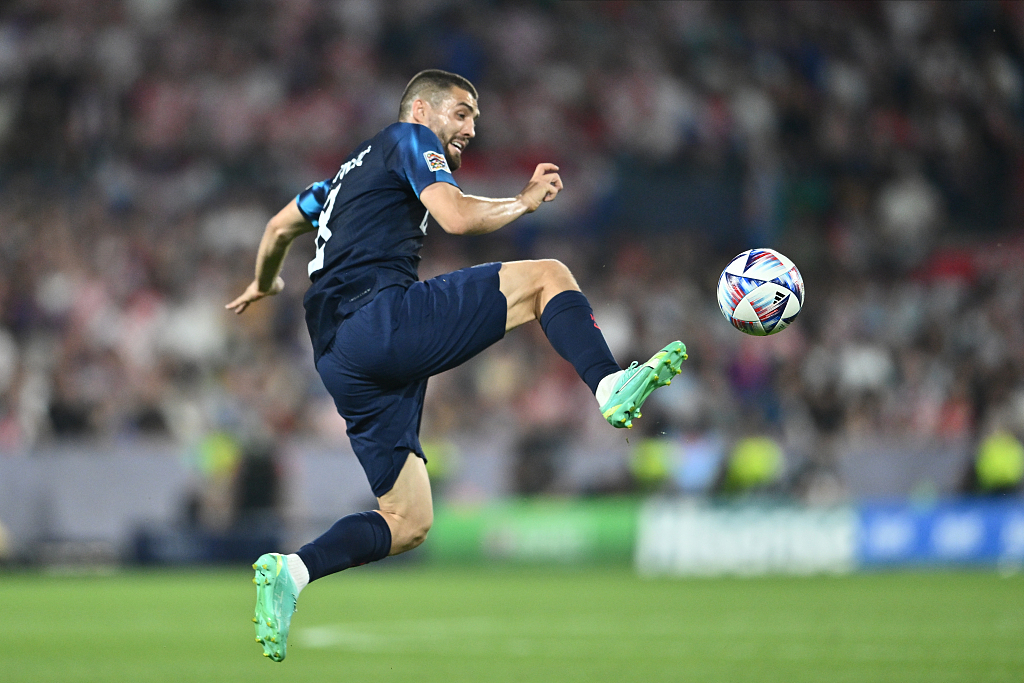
x=402, y=522
x=545, y=290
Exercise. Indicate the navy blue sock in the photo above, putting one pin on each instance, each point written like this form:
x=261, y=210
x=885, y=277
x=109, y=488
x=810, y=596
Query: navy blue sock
x=568, y=321
x=352, y=541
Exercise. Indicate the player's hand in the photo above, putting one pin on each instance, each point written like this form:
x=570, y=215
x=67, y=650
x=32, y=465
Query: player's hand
x=544, y=186
x=253, y=293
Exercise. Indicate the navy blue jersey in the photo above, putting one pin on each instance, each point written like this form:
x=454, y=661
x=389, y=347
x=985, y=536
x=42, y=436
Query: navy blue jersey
x=370, y=224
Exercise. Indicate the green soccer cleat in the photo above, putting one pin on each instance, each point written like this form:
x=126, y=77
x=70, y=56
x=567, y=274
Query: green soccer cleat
x=636, y=383
x=276, y=596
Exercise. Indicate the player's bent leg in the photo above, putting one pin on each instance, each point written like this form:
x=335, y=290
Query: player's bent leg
x=407, y=513
x=528, y=286
x=407, y=507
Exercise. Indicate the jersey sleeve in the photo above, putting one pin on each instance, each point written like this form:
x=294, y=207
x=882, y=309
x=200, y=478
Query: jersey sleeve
x=311, y=201
x=419, y=160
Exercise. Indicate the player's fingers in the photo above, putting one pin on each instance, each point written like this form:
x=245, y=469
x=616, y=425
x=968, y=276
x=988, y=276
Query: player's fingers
x=554, y=183
x=243, y=301
x=554, y=179
x=543, y=169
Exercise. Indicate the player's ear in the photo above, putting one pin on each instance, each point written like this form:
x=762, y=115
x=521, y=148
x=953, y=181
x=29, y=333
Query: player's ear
x=420, y=109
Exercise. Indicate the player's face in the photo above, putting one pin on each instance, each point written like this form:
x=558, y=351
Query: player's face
x=454, y=122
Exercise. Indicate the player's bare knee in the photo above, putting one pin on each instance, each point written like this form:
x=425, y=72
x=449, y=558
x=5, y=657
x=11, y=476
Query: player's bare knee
x=558, y=277
x=419, y=534
x=422, y=525
x=553, y=270
x=411, y=532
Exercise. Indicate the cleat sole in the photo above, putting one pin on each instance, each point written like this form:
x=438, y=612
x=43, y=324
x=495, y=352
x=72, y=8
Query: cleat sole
x=275, y=595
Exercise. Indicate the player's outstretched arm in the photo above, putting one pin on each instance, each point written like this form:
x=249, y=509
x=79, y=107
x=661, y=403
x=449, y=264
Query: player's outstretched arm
x=288, y=224
x=462, y=214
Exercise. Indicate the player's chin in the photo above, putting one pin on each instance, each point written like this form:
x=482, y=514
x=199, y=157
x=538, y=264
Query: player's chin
x=454, y=160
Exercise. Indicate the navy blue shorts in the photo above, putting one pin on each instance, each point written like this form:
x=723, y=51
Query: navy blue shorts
x=377, y=367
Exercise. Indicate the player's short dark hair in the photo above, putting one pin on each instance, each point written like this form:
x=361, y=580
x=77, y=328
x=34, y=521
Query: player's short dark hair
x=431, y=85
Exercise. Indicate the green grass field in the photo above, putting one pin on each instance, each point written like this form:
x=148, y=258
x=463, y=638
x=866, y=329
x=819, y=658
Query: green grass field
x=477, y=625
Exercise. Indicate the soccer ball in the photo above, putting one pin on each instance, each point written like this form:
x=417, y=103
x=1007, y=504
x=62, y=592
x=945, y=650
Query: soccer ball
x=760, y=292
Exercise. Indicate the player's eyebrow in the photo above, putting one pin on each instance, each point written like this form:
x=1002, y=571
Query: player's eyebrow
x=467, y=105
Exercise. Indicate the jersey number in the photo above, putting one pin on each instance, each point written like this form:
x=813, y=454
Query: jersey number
x=323, y=233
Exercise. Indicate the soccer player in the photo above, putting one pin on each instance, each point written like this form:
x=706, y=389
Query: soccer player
x=378, y=332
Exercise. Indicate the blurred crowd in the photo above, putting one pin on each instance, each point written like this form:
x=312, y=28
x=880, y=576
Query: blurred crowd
x=880, y=145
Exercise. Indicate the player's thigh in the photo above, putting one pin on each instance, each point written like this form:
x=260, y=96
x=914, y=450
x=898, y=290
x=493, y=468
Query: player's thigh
x=529, y=285
x=443, y=322
x=408, y=507
x=382, y=421
x=410, y=496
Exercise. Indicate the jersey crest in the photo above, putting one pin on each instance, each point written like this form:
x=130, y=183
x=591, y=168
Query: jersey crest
x=436, y=162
